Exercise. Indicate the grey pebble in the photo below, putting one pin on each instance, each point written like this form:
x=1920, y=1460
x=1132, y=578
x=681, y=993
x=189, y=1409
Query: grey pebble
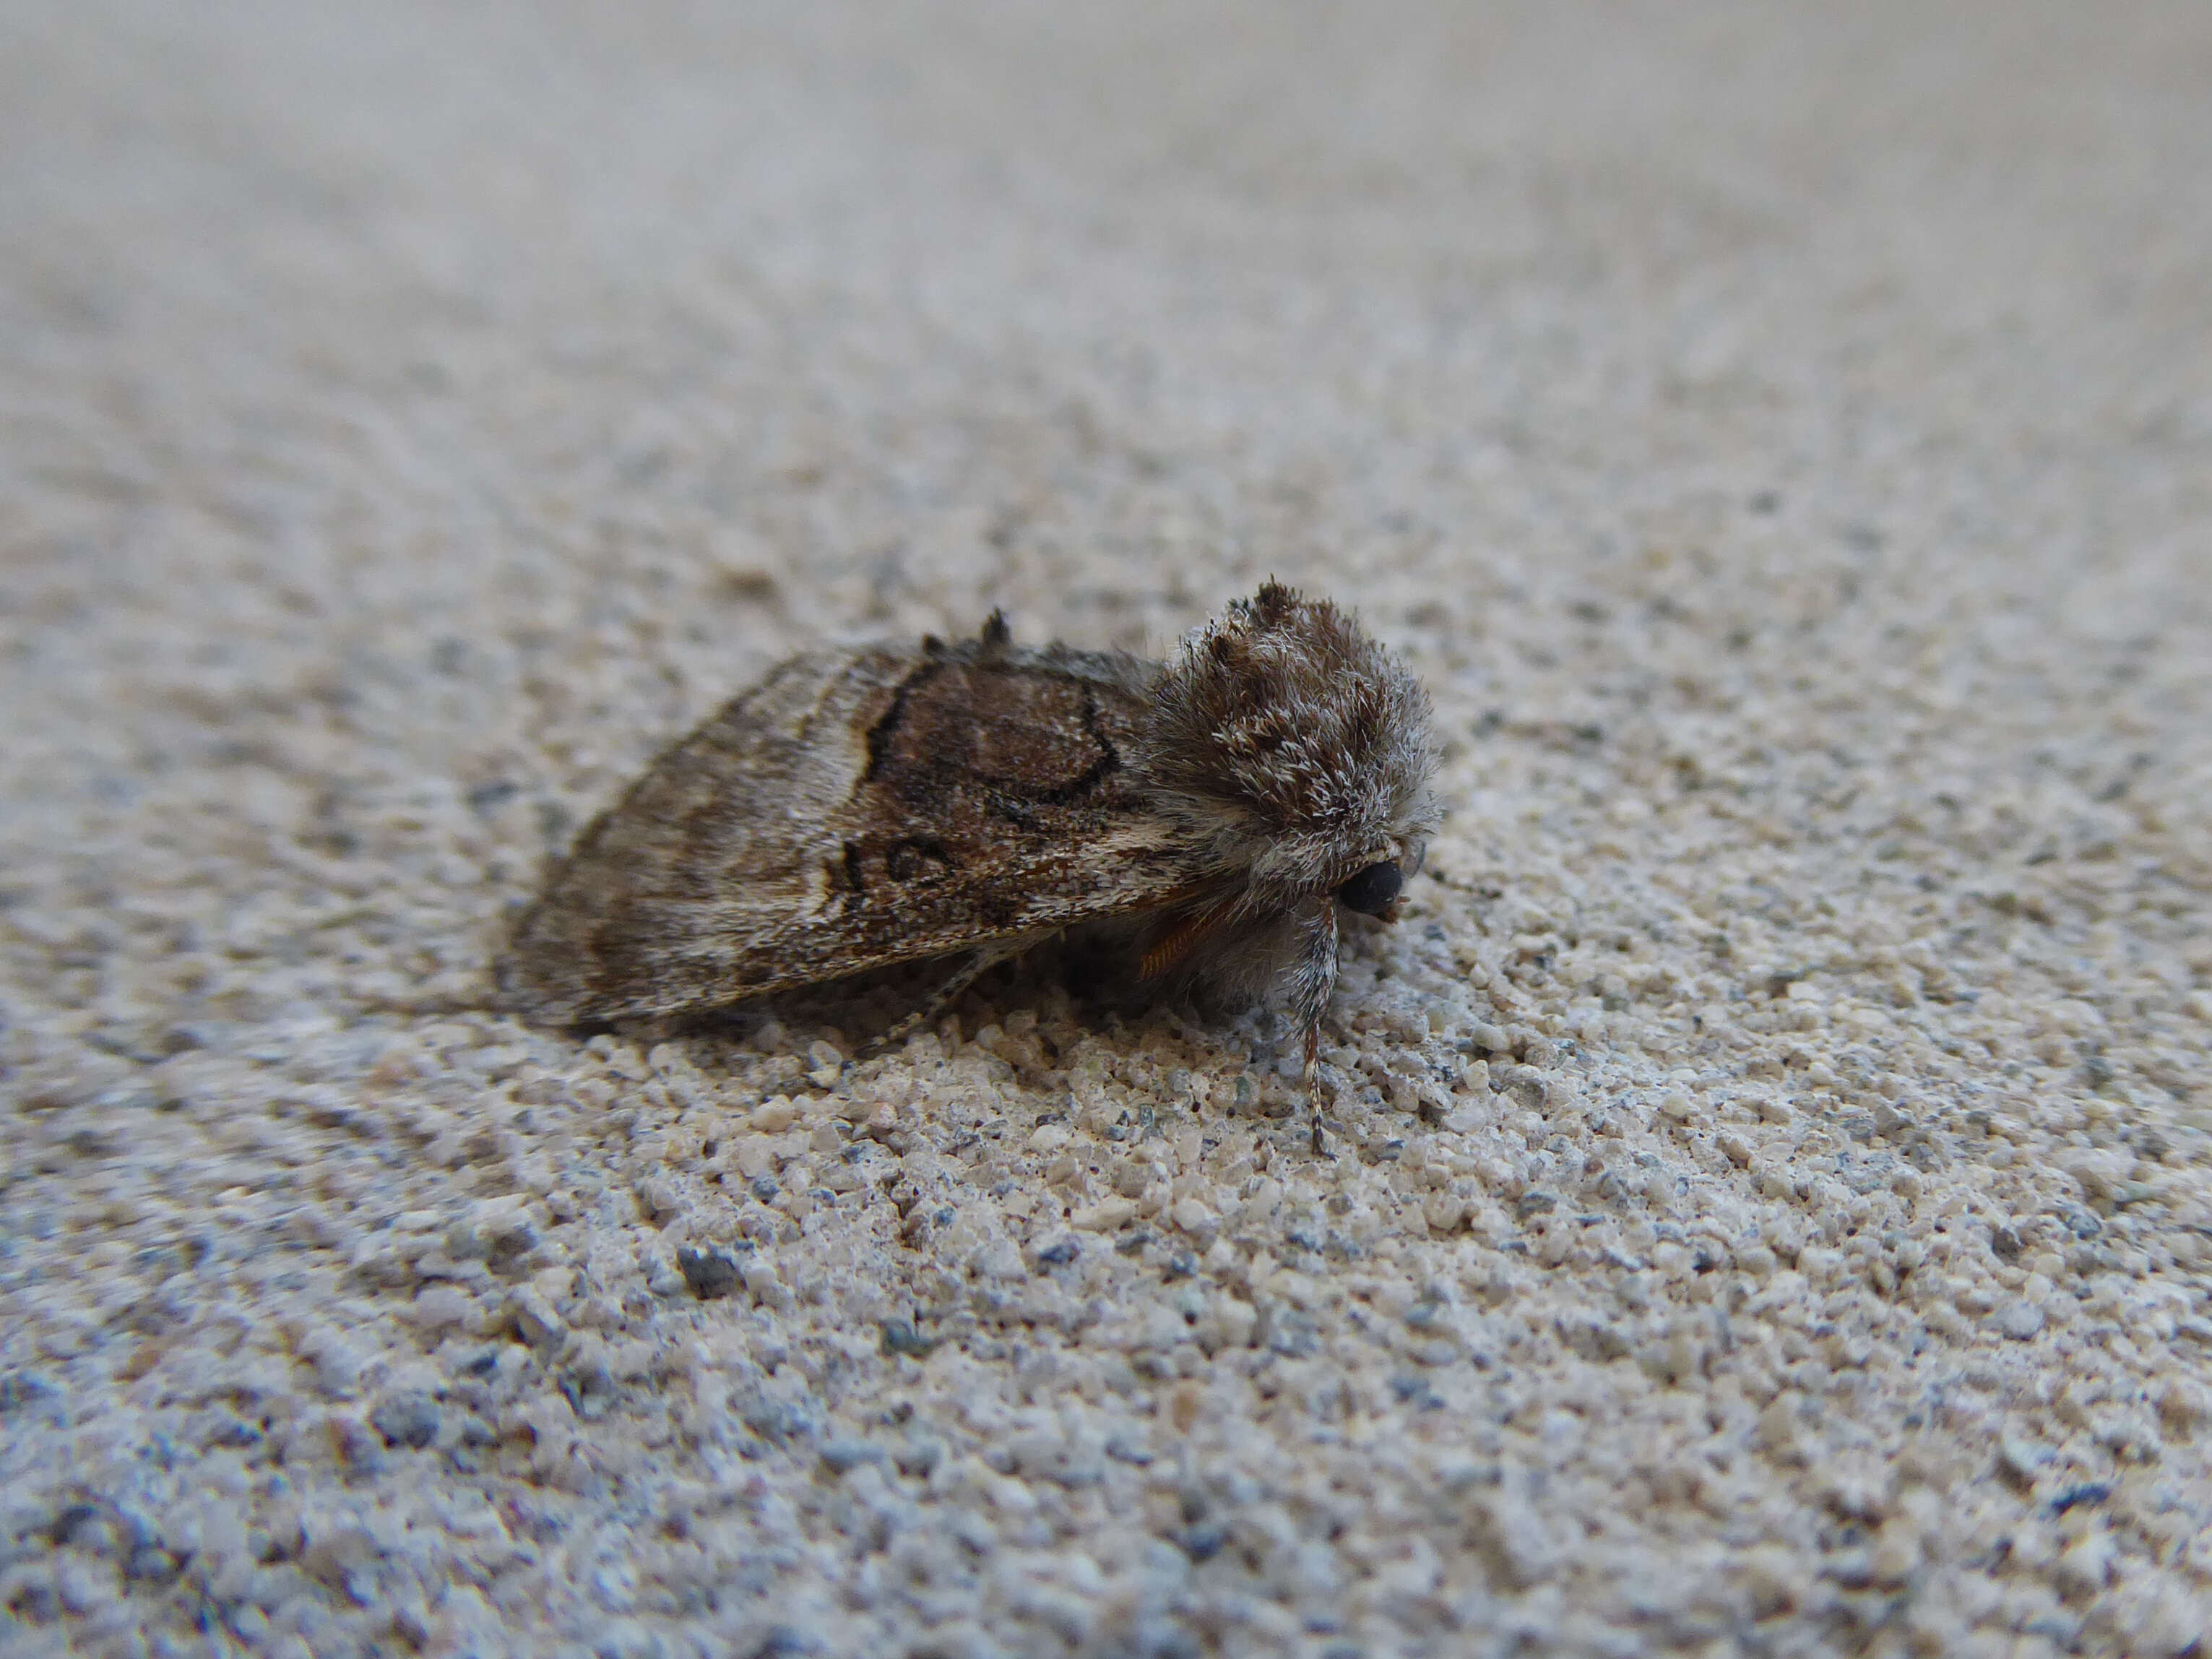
x=406, y=1419
x=776, y=1421
x=920, y=1457
x=710, y=1273
x=900, y=1337
x=843, y=1454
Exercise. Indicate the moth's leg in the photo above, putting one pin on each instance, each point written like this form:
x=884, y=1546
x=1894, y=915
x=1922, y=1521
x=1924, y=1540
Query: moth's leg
x=1313, y=979
x=972, y=966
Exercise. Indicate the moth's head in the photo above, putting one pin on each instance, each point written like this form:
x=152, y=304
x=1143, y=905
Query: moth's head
x=1296, y=752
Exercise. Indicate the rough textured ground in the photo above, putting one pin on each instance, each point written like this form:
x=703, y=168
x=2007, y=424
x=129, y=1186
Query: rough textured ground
x=1772, y=1209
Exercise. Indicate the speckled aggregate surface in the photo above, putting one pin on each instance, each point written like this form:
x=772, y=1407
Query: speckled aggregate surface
x=1771, y=1201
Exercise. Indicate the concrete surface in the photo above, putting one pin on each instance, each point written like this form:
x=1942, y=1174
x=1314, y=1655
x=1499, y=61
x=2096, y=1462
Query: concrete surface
x=1772, y=1213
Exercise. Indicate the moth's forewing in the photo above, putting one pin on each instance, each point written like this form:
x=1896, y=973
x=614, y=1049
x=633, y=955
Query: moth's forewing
x=852, y=810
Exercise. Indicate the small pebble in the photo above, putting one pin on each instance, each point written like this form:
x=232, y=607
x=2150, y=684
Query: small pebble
x=710, y=1273
x=406, y=1419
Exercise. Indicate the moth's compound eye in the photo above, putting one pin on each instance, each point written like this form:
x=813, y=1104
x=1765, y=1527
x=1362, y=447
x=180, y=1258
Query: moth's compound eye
x=1373, y=890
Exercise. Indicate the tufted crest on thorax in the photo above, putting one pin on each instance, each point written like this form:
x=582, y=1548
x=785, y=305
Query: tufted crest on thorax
x=1287, y=741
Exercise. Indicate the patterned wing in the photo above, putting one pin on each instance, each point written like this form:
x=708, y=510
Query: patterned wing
x=850, y=811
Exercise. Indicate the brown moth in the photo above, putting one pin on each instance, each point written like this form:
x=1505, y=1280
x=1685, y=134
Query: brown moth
x=862, y=808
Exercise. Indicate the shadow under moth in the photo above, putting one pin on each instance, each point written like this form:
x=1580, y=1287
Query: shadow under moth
x=862, y=808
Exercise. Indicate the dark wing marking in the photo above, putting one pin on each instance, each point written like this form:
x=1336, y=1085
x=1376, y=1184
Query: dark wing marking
x=850, y=811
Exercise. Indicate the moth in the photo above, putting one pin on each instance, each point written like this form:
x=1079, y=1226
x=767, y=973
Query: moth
x=862, y=808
